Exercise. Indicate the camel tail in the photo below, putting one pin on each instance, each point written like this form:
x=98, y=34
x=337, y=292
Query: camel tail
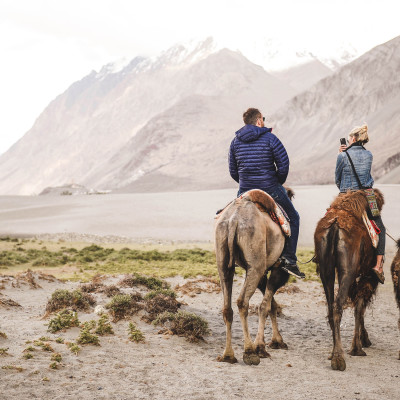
x=231, y=239
x=326, y=252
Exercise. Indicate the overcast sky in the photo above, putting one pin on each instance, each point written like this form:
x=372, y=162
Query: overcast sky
x=48, y=44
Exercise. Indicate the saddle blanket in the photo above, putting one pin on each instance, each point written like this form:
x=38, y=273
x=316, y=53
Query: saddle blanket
x=373, y=230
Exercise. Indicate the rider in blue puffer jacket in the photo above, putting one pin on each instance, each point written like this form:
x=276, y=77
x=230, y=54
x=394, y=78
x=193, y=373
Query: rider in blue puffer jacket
x=258, y=160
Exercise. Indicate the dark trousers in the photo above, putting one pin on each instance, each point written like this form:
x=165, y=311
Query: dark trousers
x=278, y=193
x=380, y=250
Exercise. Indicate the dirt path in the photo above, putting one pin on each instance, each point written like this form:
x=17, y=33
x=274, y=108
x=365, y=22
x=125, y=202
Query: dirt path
x=169, y=367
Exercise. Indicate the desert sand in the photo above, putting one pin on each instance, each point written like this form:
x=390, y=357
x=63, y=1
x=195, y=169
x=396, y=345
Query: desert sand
x=165, y=366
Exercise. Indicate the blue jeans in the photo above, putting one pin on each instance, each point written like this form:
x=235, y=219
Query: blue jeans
x=278, y=193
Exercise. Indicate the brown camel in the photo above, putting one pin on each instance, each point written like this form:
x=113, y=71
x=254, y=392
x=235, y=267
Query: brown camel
x=246, y=235
x=395, y=270
x=342, y=244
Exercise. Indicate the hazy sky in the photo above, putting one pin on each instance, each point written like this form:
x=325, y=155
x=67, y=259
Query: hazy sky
x=48, y=44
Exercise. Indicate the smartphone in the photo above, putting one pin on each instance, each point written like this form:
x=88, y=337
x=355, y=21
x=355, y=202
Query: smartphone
x=342, y=141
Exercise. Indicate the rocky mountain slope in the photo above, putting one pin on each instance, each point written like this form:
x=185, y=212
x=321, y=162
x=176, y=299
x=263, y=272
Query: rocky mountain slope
x=84, y=135
x=166, y=123
x=366, y=90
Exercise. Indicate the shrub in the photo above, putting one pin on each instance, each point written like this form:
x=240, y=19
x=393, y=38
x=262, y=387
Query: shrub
x=184, y=323
x=103, y=326
x=122, y=305
x=63, y=320
x=76, y=300
x=135, y=335
x=161, y=303
x=86, y=337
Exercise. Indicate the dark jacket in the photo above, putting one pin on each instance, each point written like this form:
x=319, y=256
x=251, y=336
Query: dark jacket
x=257, y=159
x=344, y=175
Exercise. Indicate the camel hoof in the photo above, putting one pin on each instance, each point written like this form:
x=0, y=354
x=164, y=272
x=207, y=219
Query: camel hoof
x=365, y=342
x=330, y=357
x=338, y=363
x=251, y=359
x=261, y=352
x=357, y=352
x=278, y=345
x=227, y=359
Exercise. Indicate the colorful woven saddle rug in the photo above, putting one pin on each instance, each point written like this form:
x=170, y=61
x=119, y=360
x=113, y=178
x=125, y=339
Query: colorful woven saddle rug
x=373, y=230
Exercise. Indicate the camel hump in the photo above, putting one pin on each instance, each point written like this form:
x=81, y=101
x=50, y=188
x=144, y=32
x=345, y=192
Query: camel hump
x=356, y=203
x=260, y=197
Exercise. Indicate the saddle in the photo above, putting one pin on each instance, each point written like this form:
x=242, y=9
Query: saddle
x=266, y=204
x=357, y=203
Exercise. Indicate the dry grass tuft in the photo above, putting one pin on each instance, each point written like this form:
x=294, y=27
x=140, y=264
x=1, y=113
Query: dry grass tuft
x=206, y=285
x=123, y=305
x=289, y=289
x=160, y=303
x=183, y=323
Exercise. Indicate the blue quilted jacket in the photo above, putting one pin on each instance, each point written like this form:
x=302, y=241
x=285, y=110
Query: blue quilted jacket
x=257, y=159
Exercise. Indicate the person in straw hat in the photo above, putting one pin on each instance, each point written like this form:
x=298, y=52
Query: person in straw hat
x=346, y=180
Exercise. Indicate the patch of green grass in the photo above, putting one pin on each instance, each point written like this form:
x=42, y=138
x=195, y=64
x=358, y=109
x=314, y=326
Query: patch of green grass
x=86, y=337
x=28, y=356
x=304, y=255
x=183, y=323
x=104, y=326
x=63, y=320
x=4, y=351
x=47, y=347
x=56, y=357
x=29, y=348
x=60, y=340
x=73, y=347
x=135, y=334
x=164, y=292
x=53, y=365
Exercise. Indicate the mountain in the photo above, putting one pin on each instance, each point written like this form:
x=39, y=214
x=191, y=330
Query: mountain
x=85, y=135
x=165, y=123
x=367, y=90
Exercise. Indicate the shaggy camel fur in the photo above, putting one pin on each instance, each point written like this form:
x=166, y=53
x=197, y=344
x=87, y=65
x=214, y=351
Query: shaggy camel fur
x=342, y=244
x=395, y=270
x=246, y=235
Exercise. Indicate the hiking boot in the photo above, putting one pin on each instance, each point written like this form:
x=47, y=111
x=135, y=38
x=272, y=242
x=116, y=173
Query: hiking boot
x=292, y=269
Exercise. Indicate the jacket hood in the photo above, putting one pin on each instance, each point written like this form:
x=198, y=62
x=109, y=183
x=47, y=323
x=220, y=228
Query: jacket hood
x=249, y=133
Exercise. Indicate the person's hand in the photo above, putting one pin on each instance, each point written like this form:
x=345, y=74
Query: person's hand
x=342, y=147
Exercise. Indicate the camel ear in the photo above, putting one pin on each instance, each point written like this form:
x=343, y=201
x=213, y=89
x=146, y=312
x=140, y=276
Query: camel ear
x=289, y=192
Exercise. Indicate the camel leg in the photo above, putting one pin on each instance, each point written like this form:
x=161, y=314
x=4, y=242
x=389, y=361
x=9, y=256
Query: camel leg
x=363, y=332
x=356, y=346
x=277, y=279
x=226, y=278
x=327, y=273
x=276, y=340
x=265, y=307
x=338, y=362
x=253, y=277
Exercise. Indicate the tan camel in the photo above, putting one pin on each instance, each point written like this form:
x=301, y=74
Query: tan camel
x=395, y=270
x=246, y=235
x=343, y=246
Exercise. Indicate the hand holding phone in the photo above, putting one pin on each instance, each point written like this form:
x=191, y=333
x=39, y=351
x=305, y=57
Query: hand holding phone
x=343, y=145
